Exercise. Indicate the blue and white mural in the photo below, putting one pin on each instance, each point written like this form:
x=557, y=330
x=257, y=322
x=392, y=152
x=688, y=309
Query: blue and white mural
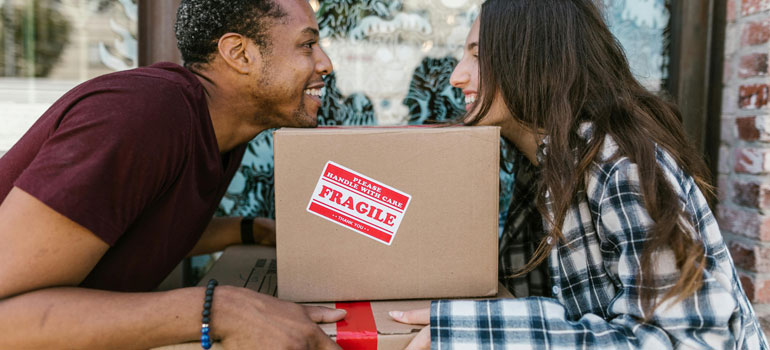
x=392, y=64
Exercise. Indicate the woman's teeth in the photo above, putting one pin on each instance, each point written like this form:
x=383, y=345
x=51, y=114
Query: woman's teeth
x=469, y=99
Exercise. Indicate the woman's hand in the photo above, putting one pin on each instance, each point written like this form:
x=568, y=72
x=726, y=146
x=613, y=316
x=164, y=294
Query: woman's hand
x=420, y=317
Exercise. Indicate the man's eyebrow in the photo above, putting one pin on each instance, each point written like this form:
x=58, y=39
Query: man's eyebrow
x=311, y=31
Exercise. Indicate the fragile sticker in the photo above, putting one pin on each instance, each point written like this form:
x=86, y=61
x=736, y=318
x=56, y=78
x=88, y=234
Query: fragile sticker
x=359, y=203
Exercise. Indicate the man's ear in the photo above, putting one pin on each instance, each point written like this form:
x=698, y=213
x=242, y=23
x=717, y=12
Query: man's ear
x=234, y=50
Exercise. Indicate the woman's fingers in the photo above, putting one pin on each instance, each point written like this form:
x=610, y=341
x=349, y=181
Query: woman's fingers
x=420, y=316
x=421, y=341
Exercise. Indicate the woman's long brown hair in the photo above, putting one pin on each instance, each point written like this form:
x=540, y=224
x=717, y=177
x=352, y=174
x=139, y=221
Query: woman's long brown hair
x=556, y=65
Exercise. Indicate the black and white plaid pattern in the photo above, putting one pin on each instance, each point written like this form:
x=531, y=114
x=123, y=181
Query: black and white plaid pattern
x=593, y=301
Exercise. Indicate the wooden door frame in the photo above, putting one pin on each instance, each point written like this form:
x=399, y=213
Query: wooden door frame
x=157, y=41
x=695, y=71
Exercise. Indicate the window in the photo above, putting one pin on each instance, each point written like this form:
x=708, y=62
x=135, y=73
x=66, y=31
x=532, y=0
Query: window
x=49, y=46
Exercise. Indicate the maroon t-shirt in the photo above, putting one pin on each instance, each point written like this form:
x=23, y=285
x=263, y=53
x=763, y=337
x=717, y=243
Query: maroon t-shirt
x=131, y=156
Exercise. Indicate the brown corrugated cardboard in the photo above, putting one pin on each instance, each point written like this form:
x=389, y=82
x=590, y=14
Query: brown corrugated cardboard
x=254, y=267
x=386, y=213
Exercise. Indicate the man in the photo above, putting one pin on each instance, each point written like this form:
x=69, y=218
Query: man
x=118, y=181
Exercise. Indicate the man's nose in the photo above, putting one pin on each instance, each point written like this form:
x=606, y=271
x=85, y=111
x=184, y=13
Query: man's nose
x=324, y=65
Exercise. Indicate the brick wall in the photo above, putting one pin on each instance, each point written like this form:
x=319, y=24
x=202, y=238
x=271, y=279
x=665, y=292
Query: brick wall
x=744, y=156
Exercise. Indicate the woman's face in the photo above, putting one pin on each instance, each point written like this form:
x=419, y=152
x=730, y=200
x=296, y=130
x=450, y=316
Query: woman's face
x=466, y=77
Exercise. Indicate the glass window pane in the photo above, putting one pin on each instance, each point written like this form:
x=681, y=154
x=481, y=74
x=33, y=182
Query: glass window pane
x=49, y=46
x=392, y=62
x=641, y=26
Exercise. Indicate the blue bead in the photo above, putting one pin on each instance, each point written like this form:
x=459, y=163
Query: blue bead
x=205, y=338
x=206, y=345
x=205, y=330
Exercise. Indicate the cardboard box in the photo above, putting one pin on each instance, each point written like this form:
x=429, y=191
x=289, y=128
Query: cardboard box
x=386, y=213
x=253, y=267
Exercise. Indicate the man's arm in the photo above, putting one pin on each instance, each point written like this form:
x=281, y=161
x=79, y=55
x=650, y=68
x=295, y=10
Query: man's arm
x=226, y=231
x=46, y=255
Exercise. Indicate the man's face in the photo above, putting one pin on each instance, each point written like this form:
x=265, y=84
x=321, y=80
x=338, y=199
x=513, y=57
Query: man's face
x=289, y=86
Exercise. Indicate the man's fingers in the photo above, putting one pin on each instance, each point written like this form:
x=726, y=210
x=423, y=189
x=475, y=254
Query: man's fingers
x=421, y=341
x=320, y=314
x=420, y=316
x=325, y=343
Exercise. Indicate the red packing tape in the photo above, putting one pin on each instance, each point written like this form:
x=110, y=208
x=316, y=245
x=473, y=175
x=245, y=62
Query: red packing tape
x=358, y=330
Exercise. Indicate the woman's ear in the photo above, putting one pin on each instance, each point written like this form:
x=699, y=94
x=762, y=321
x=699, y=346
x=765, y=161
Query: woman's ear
x=236, y=52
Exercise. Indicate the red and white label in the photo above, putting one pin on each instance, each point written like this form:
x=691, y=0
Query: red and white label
x=359, y=203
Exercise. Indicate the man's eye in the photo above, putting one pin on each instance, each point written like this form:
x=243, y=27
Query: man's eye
x=309, y=45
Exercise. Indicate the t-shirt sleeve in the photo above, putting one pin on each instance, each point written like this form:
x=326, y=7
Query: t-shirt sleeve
x=114, y=151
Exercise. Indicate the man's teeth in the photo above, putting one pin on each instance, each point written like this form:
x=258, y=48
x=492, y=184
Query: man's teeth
x=314, y=92
x=470, y=99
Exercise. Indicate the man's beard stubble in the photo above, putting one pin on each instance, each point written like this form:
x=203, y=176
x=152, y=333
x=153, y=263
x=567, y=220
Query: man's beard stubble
x=299, y=118
x=302, y=118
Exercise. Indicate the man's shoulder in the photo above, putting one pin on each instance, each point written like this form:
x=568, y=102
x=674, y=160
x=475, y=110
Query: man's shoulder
x=164, y=94
x=149, y=80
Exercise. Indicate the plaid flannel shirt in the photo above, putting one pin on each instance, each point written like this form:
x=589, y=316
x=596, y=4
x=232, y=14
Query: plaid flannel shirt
x=585, y=295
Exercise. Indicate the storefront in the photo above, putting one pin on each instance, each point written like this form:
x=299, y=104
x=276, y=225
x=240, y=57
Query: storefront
x=392, y=63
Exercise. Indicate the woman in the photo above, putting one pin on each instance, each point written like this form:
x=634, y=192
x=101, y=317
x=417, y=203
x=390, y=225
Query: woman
x=610, y=241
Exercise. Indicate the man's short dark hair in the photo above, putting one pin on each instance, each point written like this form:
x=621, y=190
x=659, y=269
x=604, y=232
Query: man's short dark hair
x=200, y=24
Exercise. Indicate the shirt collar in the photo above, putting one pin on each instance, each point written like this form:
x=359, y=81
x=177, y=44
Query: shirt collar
x=585, y=131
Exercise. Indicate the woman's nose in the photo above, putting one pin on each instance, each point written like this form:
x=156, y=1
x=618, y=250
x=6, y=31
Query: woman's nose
x=459, y=77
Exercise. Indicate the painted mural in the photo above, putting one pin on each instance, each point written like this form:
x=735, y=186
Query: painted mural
x=392, y=63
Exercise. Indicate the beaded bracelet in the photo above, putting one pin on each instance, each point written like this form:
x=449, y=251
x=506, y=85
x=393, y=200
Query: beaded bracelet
x=205, y=339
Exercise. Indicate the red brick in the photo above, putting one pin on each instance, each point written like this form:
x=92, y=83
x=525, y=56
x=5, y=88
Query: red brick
x=748, y=285
x=747, y=128
x=751, y=160
x=753, y=65
x=762, y=123
x=750, y=7
x=731, y=10
x=757, y=289
x=746, y=194
x=753, y=258
x=722, y=189
x=744, y=222
x=761, y=291
x=743, y=257
x=755, y=33
x=753, y=128
x=751, y=194
x=752, y=96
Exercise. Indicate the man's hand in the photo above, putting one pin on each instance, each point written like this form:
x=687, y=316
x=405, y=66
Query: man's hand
x=245, y=319
x=264, y=231
x=420, y=317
